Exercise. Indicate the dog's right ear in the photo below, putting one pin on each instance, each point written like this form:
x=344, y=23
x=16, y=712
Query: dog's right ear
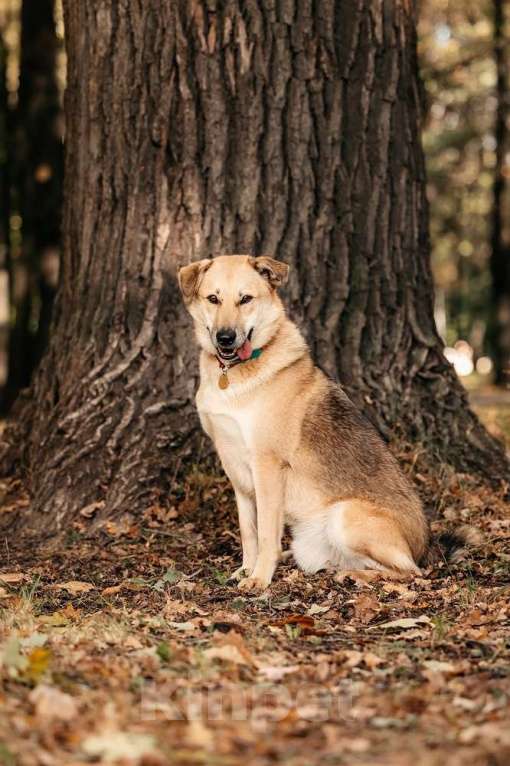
x=189, y=278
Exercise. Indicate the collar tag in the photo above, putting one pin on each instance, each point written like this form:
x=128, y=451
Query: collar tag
x=223, y=381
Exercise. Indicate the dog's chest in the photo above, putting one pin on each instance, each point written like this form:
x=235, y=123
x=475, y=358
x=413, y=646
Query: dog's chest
x=226, y=422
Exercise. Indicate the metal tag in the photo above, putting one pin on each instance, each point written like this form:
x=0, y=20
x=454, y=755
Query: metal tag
x=223, y=381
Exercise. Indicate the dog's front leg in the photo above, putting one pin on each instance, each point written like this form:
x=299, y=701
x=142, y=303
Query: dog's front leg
x=247, y=512
x=269, y=491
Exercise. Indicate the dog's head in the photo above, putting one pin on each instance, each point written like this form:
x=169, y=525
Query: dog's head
x=233, y=302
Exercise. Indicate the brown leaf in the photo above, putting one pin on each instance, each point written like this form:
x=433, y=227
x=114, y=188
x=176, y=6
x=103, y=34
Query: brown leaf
x=12, y=577
x=73, y=586
x=365, y=608
x=51, y=703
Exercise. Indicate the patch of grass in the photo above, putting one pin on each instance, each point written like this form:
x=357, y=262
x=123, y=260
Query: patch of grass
x=441, y=626
x=6, y=757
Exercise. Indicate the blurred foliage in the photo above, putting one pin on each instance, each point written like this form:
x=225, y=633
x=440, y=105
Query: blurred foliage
x=458, y=68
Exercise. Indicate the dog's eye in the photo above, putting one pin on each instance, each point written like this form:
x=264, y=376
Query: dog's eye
x=246, y=299
x=213, y=299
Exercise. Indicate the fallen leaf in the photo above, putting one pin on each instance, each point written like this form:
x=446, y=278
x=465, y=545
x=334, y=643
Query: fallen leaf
x=184, y=626
x=51, y=703
x=402, y=591
x=116, y=745
x=404, y=623
x=34, y=640
x=73, y=586
x=277, y=672
x=372, y=660
x=112, y=590
x=38, y=662
x=11, y=578
x=316, y=609
x=227, y=653
x=439, y=667
x=12, y=658
x=199, y=735
x=365, y=608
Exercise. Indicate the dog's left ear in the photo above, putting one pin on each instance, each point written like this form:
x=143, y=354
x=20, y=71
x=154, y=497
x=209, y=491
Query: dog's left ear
x=189, y=277
x=276, y=272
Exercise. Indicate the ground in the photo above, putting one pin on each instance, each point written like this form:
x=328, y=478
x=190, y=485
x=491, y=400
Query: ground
x=128, y=645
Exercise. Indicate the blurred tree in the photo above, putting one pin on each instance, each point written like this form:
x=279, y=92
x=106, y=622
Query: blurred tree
x=500, y=251
x=458, y=68
x=37, y=194
x=199, y=127
x=5, y=186
x=465, y=66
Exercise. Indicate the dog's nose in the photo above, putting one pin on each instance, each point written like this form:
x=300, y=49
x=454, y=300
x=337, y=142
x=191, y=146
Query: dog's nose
x=226, y=337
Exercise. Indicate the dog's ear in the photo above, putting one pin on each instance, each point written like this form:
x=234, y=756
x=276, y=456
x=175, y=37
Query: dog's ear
x=276, y=272
x=189, y=277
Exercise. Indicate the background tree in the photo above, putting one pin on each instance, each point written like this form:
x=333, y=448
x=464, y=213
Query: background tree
x=36, y=161
x=464, y=64
x=500, y=244
x=195, y=128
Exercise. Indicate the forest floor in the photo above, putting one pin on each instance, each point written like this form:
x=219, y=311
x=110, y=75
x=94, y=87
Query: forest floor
x=129, y=646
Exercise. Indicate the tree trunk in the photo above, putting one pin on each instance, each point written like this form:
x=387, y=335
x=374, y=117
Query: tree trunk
x=499, y=326
x=287, y=128
x=37, y=178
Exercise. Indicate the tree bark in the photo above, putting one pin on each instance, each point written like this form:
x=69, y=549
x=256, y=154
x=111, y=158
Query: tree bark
x=37, y=169
x=289, y=128
x=499, y=325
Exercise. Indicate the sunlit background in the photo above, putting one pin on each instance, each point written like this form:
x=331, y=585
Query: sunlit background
x=461, y=44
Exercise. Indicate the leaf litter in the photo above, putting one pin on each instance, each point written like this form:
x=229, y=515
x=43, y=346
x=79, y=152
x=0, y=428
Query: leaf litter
x=130, y=646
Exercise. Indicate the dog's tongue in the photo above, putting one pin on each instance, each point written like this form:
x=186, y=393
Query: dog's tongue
x=244, y=352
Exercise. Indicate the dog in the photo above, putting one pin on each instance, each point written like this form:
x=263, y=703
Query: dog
x=294, y=446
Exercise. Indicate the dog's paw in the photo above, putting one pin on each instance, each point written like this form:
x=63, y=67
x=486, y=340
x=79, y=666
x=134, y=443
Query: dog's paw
x=239, y=574
x=253, y=584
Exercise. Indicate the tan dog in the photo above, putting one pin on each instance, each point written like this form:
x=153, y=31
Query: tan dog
x=293, y=445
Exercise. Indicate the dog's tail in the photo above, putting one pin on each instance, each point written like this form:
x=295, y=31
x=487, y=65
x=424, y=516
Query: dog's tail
x=453, y=546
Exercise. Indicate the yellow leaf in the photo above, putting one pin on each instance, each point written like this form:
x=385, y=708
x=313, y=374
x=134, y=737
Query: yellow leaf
x=38, y=661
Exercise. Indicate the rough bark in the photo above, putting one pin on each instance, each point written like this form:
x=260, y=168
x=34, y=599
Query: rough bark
x=37, y=169
x=499, y=325
x=288, y=128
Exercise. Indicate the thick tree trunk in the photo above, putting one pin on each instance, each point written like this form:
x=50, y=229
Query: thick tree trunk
x=37, y=178
x=499, y=329
x=286, y=128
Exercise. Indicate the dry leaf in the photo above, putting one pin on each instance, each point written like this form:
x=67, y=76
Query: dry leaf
x=199, y=735
x=365, y=608
x=51, y=703
x=12, y=577
x=114, y=746
x=401, y=590
x=277, y=672
x=228, y=653
x=73, y=586
x=112, y=590
x=404, y=623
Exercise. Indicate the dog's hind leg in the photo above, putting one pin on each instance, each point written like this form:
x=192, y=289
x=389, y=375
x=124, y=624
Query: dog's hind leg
x=368, y=537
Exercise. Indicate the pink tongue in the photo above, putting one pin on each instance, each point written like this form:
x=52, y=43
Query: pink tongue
x=244, y=351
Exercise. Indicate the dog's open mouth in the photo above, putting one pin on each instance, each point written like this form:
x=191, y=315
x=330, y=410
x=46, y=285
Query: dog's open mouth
x=242, y=353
